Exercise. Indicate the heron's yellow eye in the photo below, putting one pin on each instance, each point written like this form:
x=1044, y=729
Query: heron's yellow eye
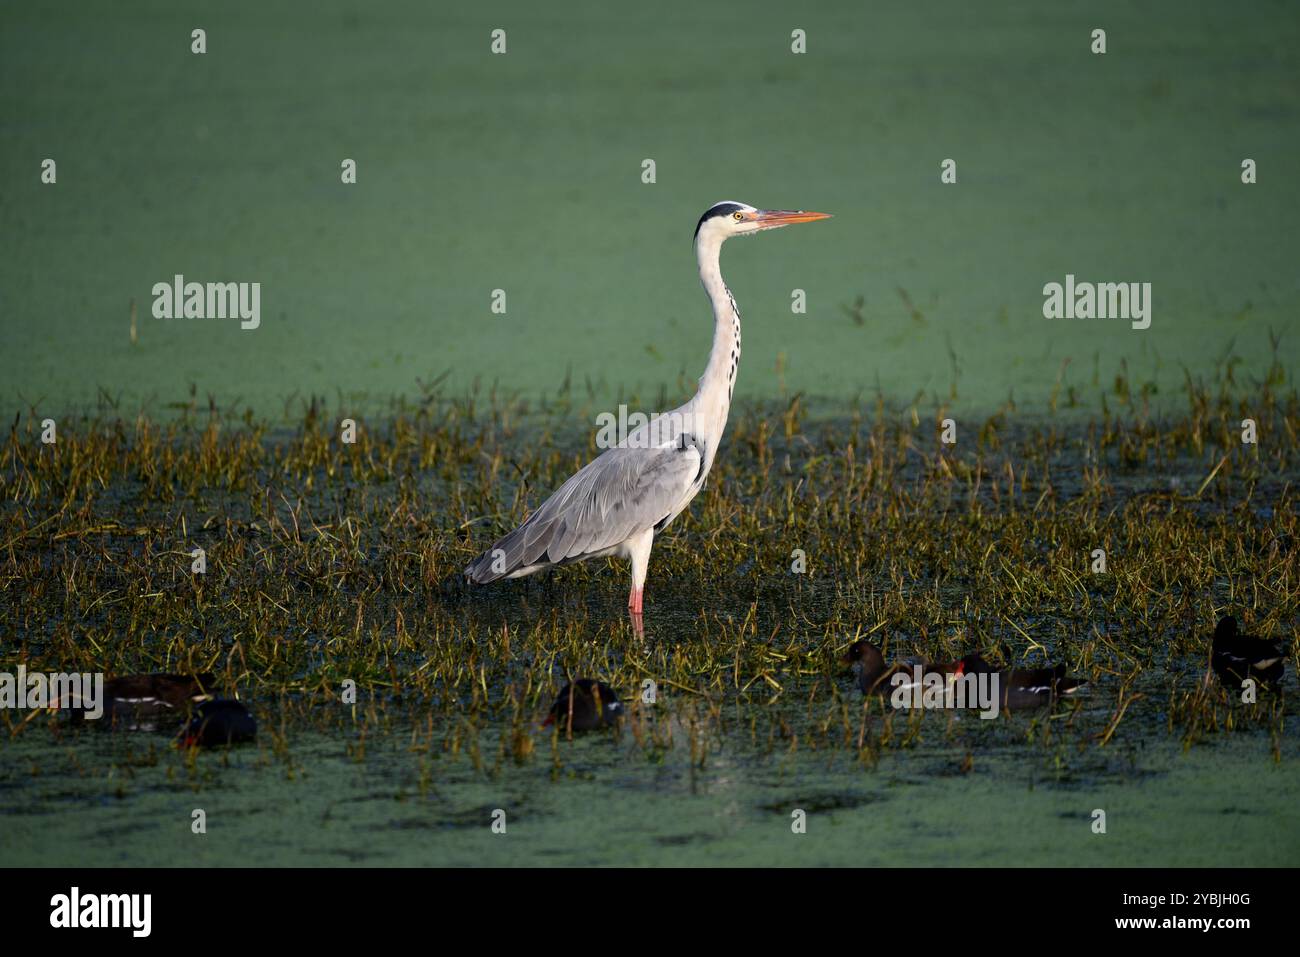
x=738, y=216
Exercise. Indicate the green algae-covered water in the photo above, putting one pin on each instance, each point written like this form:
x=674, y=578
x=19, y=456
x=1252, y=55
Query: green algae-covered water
x=1225, y=804
x=523, y=172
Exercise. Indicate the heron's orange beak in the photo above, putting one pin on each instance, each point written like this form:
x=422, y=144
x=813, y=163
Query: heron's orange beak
x=773, y=218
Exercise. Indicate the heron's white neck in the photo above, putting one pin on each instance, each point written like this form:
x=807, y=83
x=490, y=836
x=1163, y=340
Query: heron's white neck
x=724, y=358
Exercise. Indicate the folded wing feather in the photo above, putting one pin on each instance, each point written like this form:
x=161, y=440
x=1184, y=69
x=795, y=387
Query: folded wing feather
x=618, y=494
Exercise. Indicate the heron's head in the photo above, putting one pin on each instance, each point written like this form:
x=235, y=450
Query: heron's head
x=724, y=220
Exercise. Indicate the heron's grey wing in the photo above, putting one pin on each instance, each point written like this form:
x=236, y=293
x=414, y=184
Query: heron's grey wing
x=619, y=493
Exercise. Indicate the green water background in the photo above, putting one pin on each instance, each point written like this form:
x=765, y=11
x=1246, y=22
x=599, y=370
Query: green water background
x=523, y=172
x=1222, y=804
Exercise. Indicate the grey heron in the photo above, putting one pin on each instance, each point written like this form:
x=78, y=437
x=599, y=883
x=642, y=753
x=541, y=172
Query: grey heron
x=616, y=503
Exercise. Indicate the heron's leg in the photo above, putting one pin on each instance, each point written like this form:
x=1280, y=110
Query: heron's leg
x=638, y=549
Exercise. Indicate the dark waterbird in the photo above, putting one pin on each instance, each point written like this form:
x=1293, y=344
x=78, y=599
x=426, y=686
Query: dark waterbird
x=219, y=722
x=143, y=702
x=164, y=691
x=876, y=677
x=1236, y=657
x=1021, y=689
x=585, y=705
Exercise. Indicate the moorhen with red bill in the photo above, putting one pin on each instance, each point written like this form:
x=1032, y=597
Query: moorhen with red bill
x=1022, y=689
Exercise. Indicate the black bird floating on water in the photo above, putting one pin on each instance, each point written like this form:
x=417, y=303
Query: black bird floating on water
x=1019, y=689
x=143, y=702
x=585, y=705
x=216, y=723
x=875, y=677
x=1022, y=689
x=159, y=702
x=1236, y=657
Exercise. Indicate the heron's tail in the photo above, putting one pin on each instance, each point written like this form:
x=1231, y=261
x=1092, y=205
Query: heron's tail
x=488, y=567
x=503, y=558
